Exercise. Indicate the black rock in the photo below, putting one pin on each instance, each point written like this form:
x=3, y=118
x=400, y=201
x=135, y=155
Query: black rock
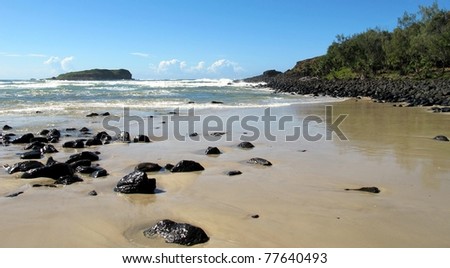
x=374, y=190
x=103, y=136
x=83, y=155
x=70, y=129
x=195, y=134
x=39, y=139
x=148, y=167
x=93, y=142
x=445, y=110
x=255, y=216
x=234, y=173
x=44, y=132
x=124, y=136
x=105, y=114
x=23, y=166
x=53, y=135
x=141, y=138
x=168, y=166
x=31, y=155
x=35, y=145
x=87, y=169
x=74, y=144
x=136, y=182
x=68, y=179
x=48, y=149
x=99, y=173
x=246, y=145
x=259, y=161
x=179, y=233
x=24, y=139
x=6, y=127
x=217, y=102
x=92, y=193
x=53, y=171
x=92, y=115
x=212, y=150
x=217, y=134
x=441, y=138
x=14, y=194
x=187, y=166
x=84, y=129
x=80, y=163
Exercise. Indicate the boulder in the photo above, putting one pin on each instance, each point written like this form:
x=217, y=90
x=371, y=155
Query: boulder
x=259, y=161
x=99, y=173
x=187, y=166
x=93, y=142
x=6, y=127
x=53, y=171
x=74, y=144
x=179, y=233
x=246, y=145
x=80, y=163
x=141, y=138
x=39, y=139
x=212, y=150
x=87, y=169
x=441, y=138
x=83, y=155
x=124, y=136
x=148, y=167
x=23, y=166
x=53, y=135
x=136, y=182
x=68, y=179
x=23, y=139
x=31, y=155
x=234, y=173
x=48, y=149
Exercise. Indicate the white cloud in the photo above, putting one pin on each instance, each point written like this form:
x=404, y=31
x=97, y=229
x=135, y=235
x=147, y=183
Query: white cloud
x=66, y=63
x=179, y=68
x=57, y=64
x=223, y=64
x=140, y=54
x=34, y=55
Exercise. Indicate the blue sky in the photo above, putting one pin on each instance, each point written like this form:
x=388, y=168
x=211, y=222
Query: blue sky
x=173, y=39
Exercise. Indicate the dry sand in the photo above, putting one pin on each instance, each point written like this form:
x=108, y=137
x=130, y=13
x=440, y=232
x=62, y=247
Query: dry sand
x=300, y=200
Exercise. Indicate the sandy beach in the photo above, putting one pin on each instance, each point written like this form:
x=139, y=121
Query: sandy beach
x=301, y=199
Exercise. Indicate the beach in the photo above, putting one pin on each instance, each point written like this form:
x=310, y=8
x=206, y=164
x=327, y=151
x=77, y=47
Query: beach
x=300, y=200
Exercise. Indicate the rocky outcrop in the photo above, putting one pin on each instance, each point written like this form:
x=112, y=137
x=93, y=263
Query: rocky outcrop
x=414, y=92
x=179, y=233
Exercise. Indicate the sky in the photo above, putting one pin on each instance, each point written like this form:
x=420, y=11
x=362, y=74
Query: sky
x=180, y=39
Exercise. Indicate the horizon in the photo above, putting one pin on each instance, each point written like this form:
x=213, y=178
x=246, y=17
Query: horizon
x=173, y=40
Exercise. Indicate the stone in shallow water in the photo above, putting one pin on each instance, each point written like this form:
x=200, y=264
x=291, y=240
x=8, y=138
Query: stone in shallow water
x=31, y=155
x=374, y=190
x=53, y=171
x=83, y=155
x=179, y=233
x=234, y=173
x=246, y=145
x=136, y=182
x=441, y=138
x=99, y=173
x=68, y=179
x=259, y=161
x=23, y=166
x=148, y=167
x=212, y=150
x=187, y=166
x=23, y=139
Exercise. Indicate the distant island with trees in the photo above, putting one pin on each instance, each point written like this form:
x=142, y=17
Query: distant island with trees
x=96, y=74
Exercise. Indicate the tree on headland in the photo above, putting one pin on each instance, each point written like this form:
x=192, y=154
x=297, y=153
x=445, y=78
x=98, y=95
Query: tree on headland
x=418, y=47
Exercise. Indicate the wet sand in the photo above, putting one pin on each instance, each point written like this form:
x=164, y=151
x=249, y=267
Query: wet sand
x=301, y=200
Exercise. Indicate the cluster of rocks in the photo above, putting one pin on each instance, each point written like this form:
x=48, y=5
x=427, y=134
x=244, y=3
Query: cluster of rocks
x=414, y=92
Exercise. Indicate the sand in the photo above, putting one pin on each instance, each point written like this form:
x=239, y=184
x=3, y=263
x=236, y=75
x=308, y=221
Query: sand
x=301, y=199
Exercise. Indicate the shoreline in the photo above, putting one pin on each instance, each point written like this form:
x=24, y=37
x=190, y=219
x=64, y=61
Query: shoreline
x=301, y=200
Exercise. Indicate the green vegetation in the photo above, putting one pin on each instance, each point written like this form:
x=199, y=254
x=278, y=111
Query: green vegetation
x=419, y=47
x=96, y=74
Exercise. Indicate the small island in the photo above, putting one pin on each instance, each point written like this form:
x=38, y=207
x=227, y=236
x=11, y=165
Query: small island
x=96, y=74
